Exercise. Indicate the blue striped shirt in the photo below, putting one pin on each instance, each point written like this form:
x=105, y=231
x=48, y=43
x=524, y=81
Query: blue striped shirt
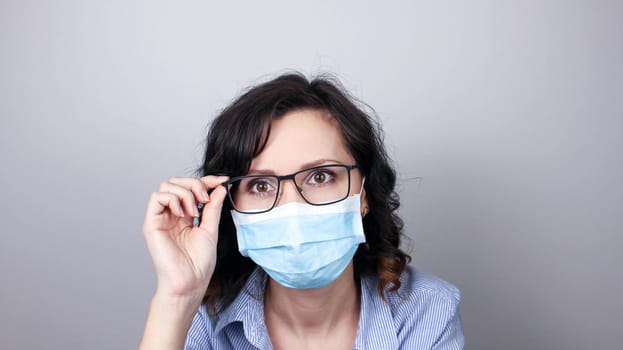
x=425, y=315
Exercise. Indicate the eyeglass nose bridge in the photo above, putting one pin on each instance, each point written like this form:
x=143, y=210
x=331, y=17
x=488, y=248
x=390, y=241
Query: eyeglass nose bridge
x=296, y=186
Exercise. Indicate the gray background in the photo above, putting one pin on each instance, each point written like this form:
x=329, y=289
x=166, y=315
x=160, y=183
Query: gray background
x=509, y=111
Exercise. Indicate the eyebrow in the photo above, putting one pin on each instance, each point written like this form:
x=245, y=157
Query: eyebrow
x=303, y=166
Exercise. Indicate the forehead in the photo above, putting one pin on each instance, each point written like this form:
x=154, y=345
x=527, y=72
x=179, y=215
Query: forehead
x=301, y=138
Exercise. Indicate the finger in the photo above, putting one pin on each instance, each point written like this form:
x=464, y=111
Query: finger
x=211, y=215
x=161, y=201
x=186, y=196
x=213, y=182
x=196, y=186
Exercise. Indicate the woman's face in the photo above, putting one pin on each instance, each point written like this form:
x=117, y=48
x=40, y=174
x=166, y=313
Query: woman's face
x=302, y=139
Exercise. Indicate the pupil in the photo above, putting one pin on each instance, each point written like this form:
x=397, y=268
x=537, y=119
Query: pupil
x=262, y=187
x=320, y=177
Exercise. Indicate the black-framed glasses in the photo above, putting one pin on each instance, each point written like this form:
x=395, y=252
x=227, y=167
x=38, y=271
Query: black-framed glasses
x=319, y=185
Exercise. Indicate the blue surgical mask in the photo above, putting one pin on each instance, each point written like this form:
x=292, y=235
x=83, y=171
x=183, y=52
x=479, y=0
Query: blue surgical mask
x=300, y=245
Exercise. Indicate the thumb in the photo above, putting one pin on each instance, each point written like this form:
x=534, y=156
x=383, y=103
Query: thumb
x=211, y=215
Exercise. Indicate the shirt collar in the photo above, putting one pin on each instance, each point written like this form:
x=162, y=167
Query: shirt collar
x=248, y=308
x=376, y=324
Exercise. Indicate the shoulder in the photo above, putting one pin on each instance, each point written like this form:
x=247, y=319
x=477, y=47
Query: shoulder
x=418, y=286
x=230, y=325
x=426, y=309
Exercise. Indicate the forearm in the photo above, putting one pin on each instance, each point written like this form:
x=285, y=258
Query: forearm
x=168, y=322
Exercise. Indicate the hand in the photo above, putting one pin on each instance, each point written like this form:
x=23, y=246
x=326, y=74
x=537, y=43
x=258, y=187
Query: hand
x=184, y=256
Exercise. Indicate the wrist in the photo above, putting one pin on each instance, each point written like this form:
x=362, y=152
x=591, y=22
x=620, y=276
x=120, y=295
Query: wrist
x=177, y=303
x=169, y=319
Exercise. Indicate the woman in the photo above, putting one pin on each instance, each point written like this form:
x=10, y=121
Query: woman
x=297, y=245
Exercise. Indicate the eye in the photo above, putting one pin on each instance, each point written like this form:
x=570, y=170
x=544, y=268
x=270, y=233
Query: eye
x=320, y=176
x=260, y=186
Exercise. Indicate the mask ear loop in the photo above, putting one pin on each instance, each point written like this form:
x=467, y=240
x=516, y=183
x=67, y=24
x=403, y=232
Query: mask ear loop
x=365, y=209
x=365, y=245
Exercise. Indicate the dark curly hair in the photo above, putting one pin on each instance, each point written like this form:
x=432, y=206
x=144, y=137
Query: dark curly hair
x=240, y=133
